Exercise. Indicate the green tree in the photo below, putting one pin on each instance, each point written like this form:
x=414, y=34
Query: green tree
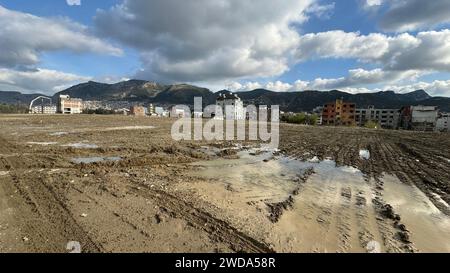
x=13, y=109
x=372, y=125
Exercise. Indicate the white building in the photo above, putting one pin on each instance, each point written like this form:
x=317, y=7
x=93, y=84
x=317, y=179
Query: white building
x=68, y=105
x=318, y=112
x=198, y=114
x=44, y=109
x=424, y=118
x=386, y=118
x=232, y=106
x=160, y=112
x=179, y=112
x=443, y=123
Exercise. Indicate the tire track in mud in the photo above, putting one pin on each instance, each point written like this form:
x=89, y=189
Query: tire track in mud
x=176, y=208
x=343, y=220
x=218, y=230
x=388, y=227
x=51, y=218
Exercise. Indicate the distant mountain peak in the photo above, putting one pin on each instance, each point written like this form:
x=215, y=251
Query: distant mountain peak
x=418, y=95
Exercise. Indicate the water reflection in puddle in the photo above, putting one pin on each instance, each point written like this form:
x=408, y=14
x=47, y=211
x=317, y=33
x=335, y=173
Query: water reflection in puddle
x=333, y=211
x=252, y=175
x=59, y=134
x=89, y=160
x=430, y=228
x=81, y=146
x=42, y=143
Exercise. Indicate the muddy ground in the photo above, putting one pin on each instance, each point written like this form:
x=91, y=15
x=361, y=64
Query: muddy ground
x=153, y=194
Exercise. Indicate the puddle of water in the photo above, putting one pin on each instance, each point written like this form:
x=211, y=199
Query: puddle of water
x=334, y=206
x=81, y=146
x=59, y=134
x=364, y=154
x=128, y=128
x=89, y=160
x=211, y=151
x=314, y=160
x=42, y=143
x=251, y=177
x=430, y=228
x=313, y=222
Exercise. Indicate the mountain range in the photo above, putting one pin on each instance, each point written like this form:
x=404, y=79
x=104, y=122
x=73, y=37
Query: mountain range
x=151, y=92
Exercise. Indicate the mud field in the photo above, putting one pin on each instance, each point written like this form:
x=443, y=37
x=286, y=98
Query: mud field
x=121, y=184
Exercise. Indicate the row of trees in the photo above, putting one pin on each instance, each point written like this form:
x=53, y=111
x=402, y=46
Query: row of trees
x=306, y=119
x=99, y=111
x=13, y=109
x=301, y=118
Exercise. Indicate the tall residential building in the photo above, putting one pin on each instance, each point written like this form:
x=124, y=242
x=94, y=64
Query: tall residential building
x=386, y=118
x=339, y=113
x=68, y=105
x=232, y=106
x=151, y=110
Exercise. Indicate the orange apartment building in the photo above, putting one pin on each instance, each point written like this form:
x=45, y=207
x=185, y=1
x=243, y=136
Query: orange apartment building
x=137, y=111
x=339, y=113
x=68, y=105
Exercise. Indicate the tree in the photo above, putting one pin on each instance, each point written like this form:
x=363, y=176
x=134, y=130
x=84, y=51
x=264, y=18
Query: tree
x=372, y=124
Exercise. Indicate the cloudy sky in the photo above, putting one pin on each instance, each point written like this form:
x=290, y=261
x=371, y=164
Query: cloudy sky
x=285, y=45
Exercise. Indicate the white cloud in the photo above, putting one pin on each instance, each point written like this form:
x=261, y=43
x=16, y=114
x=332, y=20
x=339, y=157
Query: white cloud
x=24, y=37
x=39, y=80
x=351, y=83
x=435, y=88
x=427, y=51
x=373, y=3
x=207, y=40
x=321, y=11
x=73, y=2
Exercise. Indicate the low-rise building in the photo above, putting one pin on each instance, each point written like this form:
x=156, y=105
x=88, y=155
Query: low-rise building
x=137, y=111
x=197, y=114
x=318, y=112
x=339, y=113
x=160, y=112
x=424, y=118
x=68, y=105
x=386, y=118
x=232, y=106
x=179, y=112
x=44, y=109
x=123, y=111
x=443, y=122
x=405, y=118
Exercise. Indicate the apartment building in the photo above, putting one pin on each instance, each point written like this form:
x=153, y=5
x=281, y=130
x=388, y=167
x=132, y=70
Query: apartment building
x=44, y=109
x=386, y=118
x=68, y=105
x=137, y=111
x=339, y=113
x=232, y=106
x=424, y=118
x=443, y=122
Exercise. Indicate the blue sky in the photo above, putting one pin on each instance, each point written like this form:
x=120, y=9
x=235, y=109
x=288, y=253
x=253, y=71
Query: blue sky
x=291, y=45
